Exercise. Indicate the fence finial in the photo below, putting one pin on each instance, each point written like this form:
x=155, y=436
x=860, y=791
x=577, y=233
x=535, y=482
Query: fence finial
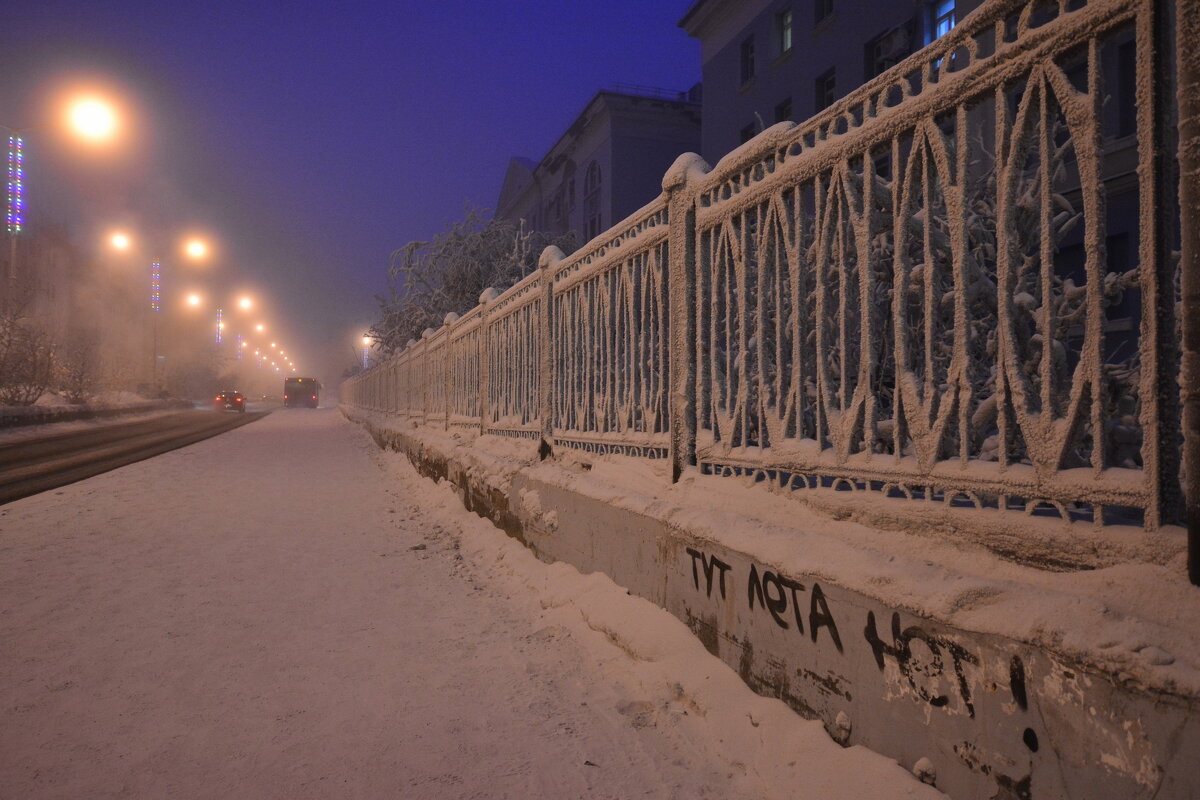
x=688, y=166
x=550, y=256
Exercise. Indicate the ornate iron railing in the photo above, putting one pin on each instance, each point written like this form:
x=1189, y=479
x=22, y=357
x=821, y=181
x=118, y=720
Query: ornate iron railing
x=960, y=283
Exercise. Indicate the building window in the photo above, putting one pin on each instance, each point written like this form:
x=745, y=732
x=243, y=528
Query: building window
x=783, y=31
x=783, y=111
x=591, y=202
x=887, y=50
x=825, y=87
x=823, y=9
x=942, y=19
x=747, y=60
x=747, y=133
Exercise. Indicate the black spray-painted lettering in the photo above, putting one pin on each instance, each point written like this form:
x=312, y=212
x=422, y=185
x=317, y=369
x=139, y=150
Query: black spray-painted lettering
x=901, y=651
x=776, y=602
x=819, y=616
x=709, y=563
x=1016, y=682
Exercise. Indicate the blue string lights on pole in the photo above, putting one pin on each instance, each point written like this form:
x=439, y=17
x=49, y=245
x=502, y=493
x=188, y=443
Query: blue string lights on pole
x=155, y=286
x=239, y=347
x=220, y=325
x=16, y=184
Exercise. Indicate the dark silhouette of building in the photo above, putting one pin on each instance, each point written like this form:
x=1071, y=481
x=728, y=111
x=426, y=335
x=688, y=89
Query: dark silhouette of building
x=606, y=165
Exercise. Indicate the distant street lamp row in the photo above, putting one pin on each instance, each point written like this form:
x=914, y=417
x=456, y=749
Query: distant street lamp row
x=95, y=120
x=196, y=250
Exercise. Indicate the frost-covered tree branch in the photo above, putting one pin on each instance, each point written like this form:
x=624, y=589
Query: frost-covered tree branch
x=428, y=279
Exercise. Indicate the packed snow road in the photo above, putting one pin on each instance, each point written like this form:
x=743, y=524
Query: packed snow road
x=285, y=611
x=32, y=465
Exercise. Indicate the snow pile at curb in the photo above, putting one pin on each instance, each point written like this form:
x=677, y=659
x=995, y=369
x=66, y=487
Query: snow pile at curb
x=772, y=751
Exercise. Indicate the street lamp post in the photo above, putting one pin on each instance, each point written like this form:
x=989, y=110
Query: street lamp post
x=90, y=118
x=194, y=249
x=15, y=208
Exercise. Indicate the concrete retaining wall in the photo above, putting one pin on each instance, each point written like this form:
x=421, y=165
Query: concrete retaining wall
x=995, y=717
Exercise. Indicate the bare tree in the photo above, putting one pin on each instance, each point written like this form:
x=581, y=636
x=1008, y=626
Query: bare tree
x=448, y=273
x=79, y=369
x=27, y=355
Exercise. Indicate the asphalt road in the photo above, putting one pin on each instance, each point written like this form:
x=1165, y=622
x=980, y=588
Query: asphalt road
x=35, y=465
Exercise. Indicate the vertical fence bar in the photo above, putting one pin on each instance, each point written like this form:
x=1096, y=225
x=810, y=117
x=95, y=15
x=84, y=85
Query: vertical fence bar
x=1160, y=391
x=678, y=183
x=447, y=370
x=485, y=369
x=1187, y=32
x=546, y=383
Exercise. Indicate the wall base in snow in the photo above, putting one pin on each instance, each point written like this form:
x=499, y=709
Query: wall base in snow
x=984, y=716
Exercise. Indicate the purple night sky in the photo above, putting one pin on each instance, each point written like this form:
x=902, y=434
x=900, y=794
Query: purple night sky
x=310, y=140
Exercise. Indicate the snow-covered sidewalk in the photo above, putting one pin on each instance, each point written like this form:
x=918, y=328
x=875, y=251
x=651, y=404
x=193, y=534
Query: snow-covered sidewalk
x=286, y=611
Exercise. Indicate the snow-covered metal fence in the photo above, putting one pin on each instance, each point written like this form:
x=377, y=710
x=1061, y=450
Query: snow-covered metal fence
x=958, y=284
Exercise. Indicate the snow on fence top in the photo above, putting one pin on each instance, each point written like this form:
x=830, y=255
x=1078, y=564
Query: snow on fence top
x=955, y=284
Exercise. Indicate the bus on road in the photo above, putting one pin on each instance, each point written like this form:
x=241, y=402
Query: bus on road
x=301, y=392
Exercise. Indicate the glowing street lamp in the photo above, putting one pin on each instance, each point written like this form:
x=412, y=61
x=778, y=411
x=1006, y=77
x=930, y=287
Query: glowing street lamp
x=120, y=241
x=196, y=249
x=93, y=119
x=259, y=327
x=245, y=303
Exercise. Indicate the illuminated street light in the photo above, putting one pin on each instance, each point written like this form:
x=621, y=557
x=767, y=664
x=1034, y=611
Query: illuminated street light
x=193, y=299
x=259, y=327
x=119, y=241
x=196, y=249
x=245, y=303
x=93, y=119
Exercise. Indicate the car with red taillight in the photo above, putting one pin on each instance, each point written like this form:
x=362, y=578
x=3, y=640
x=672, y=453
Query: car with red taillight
x=229, y=401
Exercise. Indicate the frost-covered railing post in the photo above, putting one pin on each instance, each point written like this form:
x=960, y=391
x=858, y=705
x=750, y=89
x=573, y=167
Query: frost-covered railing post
x=485, y=371
x=679, y=185
x=1187, y=26
x=547, y=263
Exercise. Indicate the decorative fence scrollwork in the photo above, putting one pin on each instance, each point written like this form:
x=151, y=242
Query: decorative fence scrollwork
x=958, y=283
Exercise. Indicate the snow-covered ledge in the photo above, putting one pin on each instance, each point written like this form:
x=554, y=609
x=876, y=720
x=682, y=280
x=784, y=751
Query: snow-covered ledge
x=1010, y=680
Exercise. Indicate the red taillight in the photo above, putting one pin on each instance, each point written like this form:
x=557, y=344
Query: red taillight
x=285, y=397
x=314, y=397
x=218, y=397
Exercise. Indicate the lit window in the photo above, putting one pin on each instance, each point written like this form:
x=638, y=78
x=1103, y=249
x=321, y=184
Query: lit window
x=783, y=30
x=942, y=12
